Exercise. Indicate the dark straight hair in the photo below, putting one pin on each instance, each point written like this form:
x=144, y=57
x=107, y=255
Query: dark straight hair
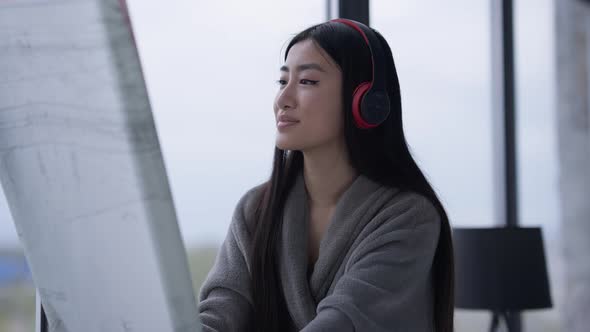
x=380, y=154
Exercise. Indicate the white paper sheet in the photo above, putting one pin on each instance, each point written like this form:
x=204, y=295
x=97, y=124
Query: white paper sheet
x=81, y=167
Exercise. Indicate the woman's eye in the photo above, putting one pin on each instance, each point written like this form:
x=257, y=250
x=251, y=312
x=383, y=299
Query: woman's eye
x=310, y=81
x=303, y=81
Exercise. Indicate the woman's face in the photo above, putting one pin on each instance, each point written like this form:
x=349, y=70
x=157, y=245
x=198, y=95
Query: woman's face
x=310, y=87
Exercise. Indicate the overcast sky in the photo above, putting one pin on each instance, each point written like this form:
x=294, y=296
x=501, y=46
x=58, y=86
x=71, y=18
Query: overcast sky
x=211, y=67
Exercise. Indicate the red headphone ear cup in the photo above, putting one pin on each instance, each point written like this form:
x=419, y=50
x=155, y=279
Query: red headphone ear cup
x=357, y=97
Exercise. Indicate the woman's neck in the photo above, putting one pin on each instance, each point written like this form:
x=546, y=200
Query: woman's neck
x=327, y=173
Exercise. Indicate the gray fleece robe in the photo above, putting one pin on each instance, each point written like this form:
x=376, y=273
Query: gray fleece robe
x=373, y=272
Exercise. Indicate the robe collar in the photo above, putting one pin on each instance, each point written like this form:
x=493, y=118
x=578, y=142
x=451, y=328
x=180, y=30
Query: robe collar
x=349, y=216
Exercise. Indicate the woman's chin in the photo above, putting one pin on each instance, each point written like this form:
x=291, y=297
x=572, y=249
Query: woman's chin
x=286, y=145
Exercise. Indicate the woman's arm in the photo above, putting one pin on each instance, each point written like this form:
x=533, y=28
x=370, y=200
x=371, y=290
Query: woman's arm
x=225, y=301
x=387, y=283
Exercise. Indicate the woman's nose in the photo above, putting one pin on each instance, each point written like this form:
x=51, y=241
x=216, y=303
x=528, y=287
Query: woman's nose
x=286, y=97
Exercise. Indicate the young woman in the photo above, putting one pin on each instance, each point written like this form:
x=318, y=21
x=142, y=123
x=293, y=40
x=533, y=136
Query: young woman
x=347, y=234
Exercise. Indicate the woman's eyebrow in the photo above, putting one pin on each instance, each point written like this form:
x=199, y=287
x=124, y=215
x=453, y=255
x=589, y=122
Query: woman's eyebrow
x=305, y=66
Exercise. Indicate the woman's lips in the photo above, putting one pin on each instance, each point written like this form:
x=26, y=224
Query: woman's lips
x=286, y=124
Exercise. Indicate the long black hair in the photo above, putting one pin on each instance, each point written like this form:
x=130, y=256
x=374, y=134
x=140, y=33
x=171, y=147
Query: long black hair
x=380, y=154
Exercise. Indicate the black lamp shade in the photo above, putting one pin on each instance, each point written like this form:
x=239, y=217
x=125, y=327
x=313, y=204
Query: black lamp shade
x=500, y=269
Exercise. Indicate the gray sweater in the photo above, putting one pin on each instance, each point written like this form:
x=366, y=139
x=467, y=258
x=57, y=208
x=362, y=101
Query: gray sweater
x=373, y=272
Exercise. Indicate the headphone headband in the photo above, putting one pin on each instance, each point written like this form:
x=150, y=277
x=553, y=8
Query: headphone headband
x=370, y=99
x=374, y=47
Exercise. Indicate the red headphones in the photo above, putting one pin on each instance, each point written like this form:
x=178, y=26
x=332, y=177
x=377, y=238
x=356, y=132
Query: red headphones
x=370, y=101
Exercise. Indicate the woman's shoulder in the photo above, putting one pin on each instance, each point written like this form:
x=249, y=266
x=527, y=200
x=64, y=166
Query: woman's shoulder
x=250, y=199
x=245, y=210
x=410, y=209
x=392, y=200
